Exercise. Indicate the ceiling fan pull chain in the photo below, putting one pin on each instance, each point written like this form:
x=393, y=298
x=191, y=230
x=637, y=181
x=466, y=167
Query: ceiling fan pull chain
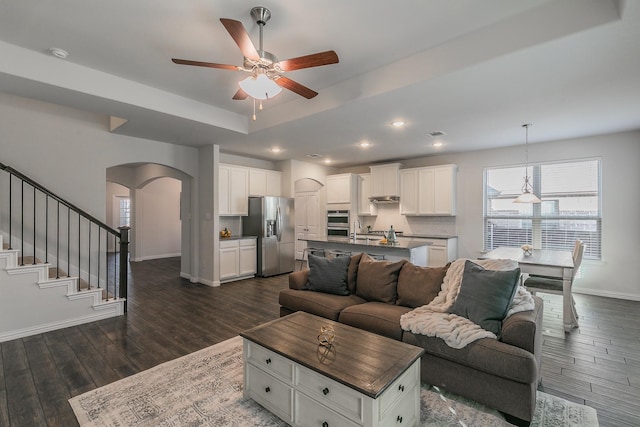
x=254, y=109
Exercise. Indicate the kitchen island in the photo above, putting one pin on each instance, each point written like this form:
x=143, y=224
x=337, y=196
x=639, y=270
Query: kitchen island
x=414, y=251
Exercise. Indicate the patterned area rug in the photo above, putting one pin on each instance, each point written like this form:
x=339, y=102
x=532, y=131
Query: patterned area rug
x=205, y=389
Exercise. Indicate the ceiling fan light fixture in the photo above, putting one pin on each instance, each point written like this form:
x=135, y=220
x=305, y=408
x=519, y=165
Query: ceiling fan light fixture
x=260, y=86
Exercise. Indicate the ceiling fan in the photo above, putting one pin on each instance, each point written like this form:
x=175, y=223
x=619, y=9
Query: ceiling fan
x=266, y=79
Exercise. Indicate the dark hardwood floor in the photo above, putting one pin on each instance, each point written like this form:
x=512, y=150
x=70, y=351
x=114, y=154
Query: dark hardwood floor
x=168, y=317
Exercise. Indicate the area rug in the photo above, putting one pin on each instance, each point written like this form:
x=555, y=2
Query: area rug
x=205, y=389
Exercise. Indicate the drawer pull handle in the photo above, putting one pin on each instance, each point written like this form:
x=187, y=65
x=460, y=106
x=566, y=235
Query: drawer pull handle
x=325, y=424
x=325, y=391
x=399, y=419
x=268, y=361
x=267, y=389
x=401, y=387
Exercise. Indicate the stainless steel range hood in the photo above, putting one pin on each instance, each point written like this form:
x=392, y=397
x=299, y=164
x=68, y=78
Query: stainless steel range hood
x=380, y=200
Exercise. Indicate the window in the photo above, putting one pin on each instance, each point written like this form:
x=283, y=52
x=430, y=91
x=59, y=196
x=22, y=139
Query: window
x=124, y=212
x=570, y=208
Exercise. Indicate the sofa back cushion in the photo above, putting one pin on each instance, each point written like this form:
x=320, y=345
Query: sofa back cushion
x=352, y=272
x=418, y=286
x=485, y=295
x=378, y=280
x=328, y=275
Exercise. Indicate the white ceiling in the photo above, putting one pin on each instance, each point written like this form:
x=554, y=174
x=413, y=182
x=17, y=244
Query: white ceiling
x=475, y=69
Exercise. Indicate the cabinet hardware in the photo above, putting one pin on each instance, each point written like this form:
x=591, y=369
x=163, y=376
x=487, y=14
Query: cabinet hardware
x=267, y=389
x=401, y=387
x=399, y=419
x=325, y=391
x=325, y=424
x=268, y=361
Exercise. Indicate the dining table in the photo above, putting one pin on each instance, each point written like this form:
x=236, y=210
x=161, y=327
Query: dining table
x=544, y=262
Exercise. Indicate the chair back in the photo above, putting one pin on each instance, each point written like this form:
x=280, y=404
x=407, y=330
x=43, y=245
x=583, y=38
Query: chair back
x=578, y=252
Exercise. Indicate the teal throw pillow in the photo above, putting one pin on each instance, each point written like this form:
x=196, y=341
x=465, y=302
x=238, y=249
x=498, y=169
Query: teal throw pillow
x=486, y=295
x=328, y=275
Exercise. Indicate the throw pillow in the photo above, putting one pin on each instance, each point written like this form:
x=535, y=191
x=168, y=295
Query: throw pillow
x=328, y=275
x=418, y=286
x=378, y=280
x=485, y=296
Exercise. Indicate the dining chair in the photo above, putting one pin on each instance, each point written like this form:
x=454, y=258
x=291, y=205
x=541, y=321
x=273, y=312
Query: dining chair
x=553, y=285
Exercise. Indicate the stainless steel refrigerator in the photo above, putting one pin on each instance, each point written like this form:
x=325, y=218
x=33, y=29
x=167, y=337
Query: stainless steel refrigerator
x=272, y=220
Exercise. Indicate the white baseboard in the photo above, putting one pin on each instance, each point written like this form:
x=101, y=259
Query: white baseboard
x=608, y=294
x=146, y=258
x=47, y=327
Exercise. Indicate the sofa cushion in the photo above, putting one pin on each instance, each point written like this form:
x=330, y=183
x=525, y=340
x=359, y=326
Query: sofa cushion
x=418, y=286
x=378, y=280
x=321, y=304
x=328, y=275
x=377, y=317
x=487, y=355
x=352, y=272
x=485, y=295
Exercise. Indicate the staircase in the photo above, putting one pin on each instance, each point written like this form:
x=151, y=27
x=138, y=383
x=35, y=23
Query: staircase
x=41, y=236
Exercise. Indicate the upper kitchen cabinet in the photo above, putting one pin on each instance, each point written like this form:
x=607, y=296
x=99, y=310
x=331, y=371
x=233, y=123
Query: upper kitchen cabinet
x=233, y=190
x=365, y=207
x=264, y=182
x=429, y=191
x=385, y=180
x=342, y=188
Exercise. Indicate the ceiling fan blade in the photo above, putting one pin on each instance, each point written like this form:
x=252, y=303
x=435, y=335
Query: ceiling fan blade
x=241, y=37
x=240, y=95
x=205, y=64
x=308, y=61
x=295, y=87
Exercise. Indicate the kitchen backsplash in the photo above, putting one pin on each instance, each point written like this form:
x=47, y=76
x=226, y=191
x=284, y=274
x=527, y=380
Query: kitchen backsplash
x=389, y=215
x=233, y=223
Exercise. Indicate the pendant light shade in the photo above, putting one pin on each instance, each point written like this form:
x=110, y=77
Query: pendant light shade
x=527, y=195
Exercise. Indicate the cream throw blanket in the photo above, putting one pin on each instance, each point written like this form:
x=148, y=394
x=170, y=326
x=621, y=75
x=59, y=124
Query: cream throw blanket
x=434, y=319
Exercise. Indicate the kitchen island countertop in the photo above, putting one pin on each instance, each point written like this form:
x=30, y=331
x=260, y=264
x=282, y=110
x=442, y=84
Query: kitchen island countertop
x=412, y=250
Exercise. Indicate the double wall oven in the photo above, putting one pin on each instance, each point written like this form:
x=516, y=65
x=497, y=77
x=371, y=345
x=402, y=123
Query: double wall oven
x=338, y=223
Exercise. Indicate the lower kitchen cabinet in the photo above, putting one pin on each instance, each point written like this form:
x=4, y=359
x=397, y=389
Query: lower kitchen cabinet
x=238, y=259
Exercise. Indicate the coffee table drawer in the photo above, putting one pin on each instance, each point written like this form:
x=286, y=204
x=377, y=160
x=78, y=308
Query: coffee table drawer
x=405, y=411
x=311, y=413
x=271, y=393
x=343, y=399
x=403, y=385
x=270, y=362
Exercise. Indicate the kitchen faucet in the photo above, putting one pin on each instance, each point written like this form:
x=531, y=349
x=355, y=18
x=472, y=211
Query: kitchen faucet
x=356, y=223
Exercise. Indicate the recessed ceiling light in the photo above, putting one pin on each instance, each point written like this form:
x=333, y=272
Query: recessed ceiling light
x=398, y=123
x=437, y=144
x=327, y=161
x=59, y=53
x=365, y=144
x=275, y=150
x=314, y=156
x=436, y=133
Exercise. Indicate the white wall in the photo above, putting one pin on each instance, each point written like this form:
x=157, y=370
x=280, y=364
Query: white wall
x=158, y=234
x=68, y=151
x=614, y=275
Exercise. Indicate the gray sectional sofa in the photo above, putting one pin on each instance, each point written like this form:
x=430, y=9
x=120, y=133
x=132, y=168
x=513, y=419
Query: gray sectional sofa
x=502, y=374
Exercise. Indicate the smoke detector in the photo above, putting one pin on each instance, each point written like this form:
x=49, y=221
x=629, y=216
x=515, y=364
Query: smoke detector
x=59, y=53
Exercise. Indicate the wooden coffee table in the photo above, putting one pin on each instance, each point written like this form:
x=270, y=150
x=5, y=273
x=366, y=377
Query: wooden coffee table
x=364, y=379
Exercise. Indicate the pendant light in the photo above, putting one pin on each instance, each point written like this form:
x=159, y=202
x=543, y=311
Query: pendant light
x=527, y=195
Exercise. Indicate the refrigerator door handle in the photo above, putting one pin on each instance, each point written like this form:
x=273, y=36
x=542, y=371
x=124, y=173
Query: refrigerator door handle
x=278, y=223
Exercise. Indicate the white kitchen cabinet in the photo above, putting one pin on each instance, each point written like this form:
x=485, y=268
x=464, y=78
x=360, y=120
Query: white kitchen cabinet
x=342, y=188
x=238, y=259
x=264, y=182
x=429, y=191
x=233, y=189
x=409, y=192
x=365, y=207
x=307, y=213
x=385, y=180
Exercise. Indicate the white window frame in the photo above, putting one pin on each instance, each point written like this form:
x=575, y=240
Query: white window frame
x=534, y=228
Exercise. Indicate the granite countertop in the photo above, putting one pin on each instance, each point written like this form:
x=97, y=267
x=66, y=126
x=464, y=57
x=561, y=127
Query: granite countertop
x=430, y=236
x=363, y=241
x=237, y=238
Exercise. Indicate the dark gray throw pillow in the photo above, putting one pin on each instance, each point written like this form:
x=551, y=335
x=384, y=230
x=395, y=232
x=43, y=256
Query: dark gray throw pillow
x=485, y=296
x=328, y=275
